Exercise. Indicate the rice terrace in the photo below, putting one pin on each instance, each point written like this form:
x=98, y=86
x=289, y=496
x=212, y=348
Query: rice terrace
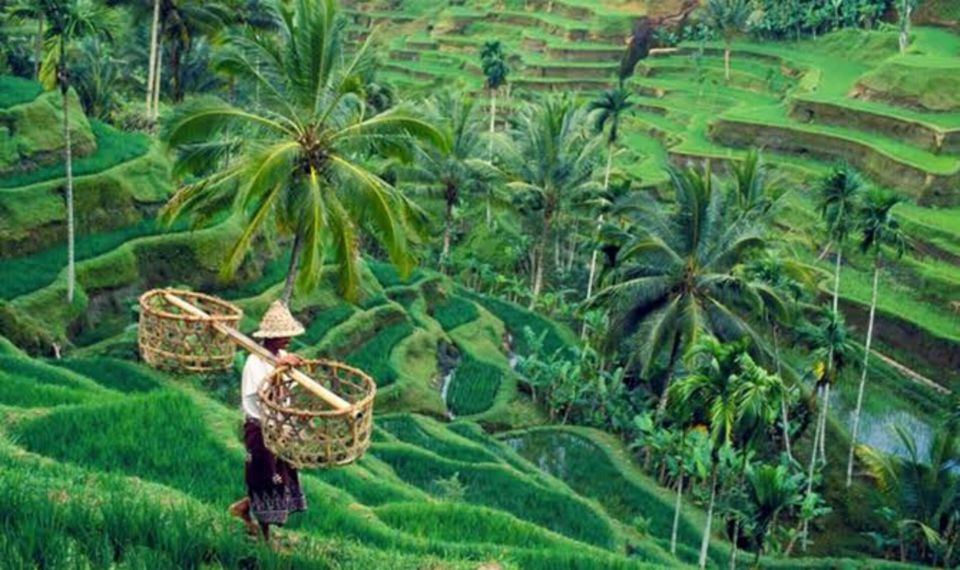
x=479, y=284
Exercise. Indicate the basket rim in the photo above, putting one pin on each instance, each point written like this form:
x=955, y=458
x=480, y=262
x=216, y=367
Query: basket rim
x=362, y=403
x=237, y=312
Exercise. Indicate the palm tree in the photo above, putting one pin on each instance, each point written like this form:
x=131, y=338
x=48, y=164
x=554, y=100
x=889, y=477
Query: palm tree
x=31, y=10
x=786, y=277
x=831, y=349
x=607, y=110
x=771, y=489
x=182, y=21
x=495, y=69
x=553, y=162
x=729, y=18
x=880, y=228
x=299, y=156
x=454, y=169
x=70, y=21
x=678, y=274
x=838, y=194
x=753, y=189
x=730, y=394
x=923, y=489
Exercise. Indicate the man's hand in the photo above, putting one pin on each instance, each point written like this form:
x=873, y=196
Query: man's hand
x=289, y=360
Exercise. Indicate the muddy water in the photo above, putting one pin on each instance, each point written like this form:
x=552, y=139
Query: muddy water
x=877, y=430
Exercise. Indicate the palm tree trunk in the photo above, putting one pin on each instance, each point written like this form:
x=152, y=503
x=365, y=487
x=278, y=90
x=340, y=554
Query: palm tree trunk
x=863, y=373
x=156, y=78
x=726, y=62
x=38, y=48
x=705, y=542
x=674, y=351
x=593, y=257
x=823, y=424
x=905, y=26
x=813, y=464
x=540, y=253
x=151, y=71
x=783, y=400
x=676, y=514
x=493, y=122
x=68, y=161
x=292, y=269
x=447, y=229
x=836, y=278
x=733, y=547
x=538, y=272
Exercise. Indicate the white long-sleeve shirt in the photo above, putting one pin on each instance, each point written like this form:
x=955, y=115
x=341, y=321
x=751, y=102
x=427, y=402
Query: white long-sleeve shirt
x=255, y=371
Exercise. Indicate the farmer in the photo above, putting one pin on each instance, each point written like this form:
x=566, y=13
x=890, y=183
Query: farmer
x=273, y=486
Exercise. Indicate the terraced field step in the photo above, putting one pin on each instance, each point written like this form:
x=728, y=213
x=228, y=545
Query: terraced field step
x=937, y=133
x=930, y=178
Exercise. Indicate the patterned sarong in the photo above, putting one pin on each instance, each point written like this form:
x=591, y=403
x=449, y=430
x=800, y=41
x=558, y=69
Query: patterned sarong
x=269, y=502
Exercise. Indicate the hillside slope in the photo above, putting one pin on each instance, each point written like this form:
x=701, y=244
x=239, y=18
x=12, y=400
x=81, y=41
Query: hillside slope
x=105, y=462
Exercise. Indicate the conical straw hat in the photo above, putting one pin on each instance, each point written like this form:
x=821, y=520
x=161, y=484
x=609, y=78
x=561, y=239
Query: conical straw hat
x=278, y=323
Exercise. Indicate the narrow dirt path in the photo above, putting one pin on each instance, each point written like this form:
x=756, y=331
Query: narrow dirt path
x=912, y=375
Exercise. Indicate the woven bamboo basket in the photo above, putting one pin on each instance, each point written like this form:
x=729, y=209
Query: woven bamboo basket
x=172, y=339
x=298, y=427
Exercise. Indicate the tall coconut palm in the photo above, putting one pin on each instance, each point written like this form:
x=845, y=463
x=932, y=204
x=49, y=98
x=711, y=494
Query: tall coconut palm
x=787, y=278
x=495, y=70
x=678, y=274
x=880, y=228
x=553, y=161
x=837, y=199
x=730, y=394
x=729, y=18
x=454, y=169
x=831, y=348
x=68, y=22
x=299, y=157
x=607, y=111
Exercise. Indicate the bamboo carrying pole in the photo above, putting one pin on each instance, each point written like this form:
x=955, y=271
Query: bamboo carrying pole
x=246, y=342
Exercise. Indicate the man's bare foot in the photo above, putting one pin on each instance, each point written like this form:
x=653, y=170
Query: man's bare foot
x=241, y=510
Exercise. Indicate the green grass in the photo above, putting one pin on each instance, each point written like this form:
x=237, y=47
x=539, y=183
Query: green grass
x=593, y=470
x=114, y=374
x=494, y=486
x=373, y=357
x=38, y=270
x=434, y=437
x=917, y=83
x=15, y=91
x=454, y=311
x=517, y=319
x=324, y=321
x=113, y=147
x=473, y=387
x=388, y=276
x=160, y=436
